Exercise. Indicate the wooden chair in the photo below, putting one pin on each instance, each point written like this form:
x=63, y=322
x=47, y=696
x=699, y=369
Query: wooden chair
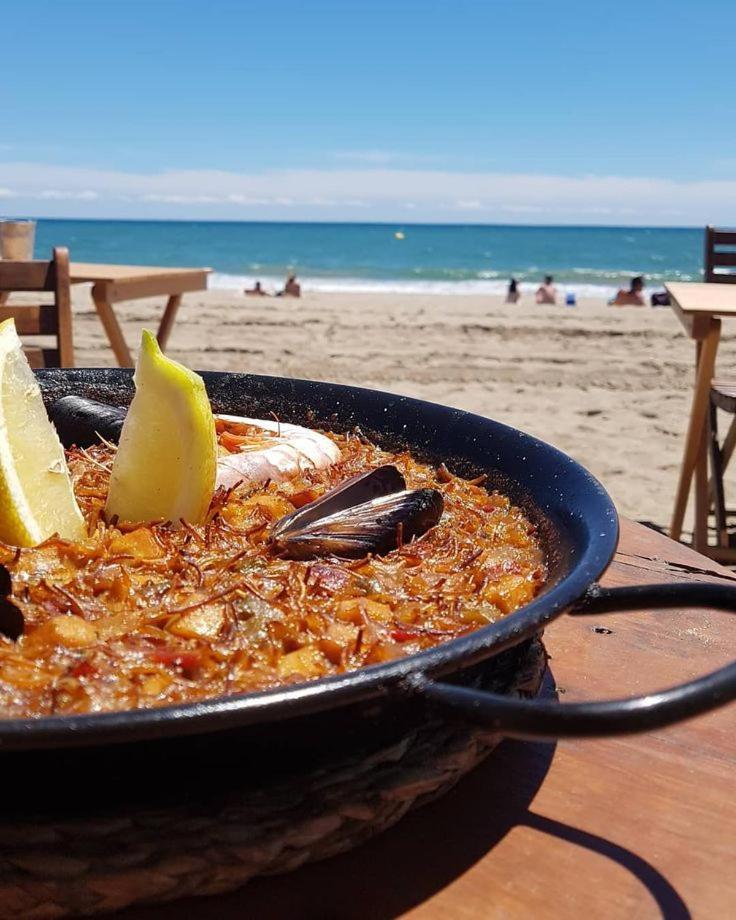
x=53, y=319
x=720, y=253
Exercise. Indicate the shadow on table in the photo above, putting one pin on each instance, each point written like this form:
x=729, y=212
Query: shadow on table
x=423, y=854
x=399, y=868
x=668, y=900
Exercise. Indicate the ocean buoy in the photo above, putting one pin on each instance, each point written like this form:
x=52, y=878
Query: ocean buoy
x=399, y=235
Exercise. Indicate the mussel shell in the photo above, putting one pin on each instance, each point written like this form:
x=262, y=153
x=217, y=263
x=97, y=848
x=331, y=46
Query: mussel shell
x=81, y=421
x=376, y=526
x=6, y=582
x=384, y=480
x=11, y=618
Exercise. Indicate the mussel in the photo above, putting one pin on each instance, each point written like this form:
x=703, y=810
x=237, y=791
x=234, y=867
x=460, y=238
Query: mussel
x=11, y=618
x=371, y=513
x=81, y=421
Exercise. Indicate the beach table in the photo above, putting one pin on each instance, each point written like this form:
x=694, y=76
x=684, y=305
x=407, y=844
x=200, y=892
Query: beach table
x=638, y=826
x=699, y=306
x=114, y=283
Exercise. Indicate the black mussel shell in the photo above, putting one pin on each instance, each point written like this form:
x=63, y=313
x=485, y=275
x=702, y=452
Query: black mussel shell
x=82, y=421
x=6, y=582
x=11, y=618
x=385, y=480
x=376, y=526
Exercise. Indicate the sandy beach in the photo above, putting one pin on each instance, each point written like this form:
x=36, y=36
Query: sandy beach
x=609, y=386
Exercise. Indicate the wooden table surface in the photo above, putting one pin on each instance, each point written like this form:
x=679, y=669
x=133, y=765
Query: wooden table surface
x=93, y=271
x=701, y=297
x=699, y=307
x=113, y=283
x=641, y=826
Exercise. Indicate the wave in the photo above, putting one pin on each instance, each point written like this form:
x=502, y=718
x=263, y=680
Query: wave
x=220, y=281
x=621, y=274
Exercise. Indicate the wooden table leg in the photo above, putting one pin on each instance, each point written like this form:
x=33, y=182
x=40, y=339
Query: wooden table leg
x=702, y=496
x=167, y=320
x=112, y=327
x=696, y=440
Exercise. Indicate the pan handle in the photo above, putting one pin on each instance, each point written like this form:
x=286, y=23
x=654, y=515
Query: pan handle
x=521, y=718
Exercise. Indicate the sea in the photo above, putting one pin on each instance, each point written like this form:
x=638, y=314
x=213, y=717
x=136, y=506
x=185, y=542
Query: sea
x=433, y=258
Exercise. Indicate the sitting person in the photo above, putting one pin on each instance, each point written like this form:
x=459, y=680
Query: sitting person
x=547, y=292
x=292, y=288
x=256, y=291
x=631, y=298
x=513, y=294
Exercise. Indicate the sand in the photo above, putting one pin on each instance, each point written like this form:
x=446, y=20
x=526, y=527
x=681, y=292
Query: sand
x=611, y=387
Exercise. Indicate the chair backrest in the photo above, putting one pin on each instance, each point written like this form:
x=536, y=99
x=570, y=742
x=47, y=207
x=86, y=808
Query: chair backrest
x=41, y=319
x=720, y=253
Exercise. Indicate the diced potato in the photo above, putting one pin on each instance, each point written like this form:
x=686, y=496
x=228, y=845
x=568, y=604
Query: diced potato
x=408, y=613
x=343, y=633
x=155, y=684
x=314, y=623
x=303, y=497
x=480, y=616
x=356, y=609
x=119, y=623
x=513, y=591
x=350, y=611
x=271, y=506
x=304, y=662
x=517, y=535
x=141, y=544
x=384, y=651
x=339, y=642
x=492, y=595
x=23, y=674
x=201, y=623
x=332, y=651
x=379, y=613
x=68, y=630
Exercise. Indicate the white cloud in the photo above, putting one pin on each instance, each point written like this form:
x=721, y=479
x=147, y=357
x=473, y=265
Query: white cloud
x=374, y=157
x=430, y=194
x=380, y=157
x=468, y=204
x=52, y=194
x=522, y=208
x=183, y=199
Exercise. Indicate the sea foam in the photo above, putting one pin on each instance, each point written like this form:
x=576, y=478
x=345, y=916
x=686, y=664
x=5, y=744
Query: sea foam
x=219, y=281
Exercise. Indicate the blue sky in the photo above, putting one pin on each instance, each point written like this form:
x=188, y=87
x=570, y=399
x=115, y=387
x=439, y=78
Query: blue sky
x=593, y=112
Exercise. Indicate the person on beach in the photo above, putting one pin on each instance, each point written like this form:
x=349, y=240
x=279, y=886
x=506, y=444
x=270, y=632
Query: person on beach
x=256, y=291
x=547, y=292
x=513, y=294
x=292, y=288
x=634, y=297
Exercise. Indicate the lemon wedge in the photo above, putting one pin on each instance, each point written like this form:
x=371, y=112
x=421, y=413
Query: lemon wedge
x=166, y=462
x=36, y=495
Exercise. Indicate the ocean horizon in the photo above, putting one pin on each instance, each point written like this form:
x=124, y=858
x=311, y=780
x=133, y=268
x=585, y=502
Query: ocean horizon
x=389, y=257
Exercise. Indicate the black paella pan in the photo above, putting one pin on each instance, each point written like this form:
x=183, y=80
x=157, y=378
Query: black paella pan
x=270, y=730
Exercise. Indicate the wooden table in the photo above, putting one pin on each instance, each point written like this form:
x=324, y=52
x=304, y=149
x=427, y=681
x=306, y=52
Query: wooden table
x=113, y=283
x=699, y=307
x=640, y=826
